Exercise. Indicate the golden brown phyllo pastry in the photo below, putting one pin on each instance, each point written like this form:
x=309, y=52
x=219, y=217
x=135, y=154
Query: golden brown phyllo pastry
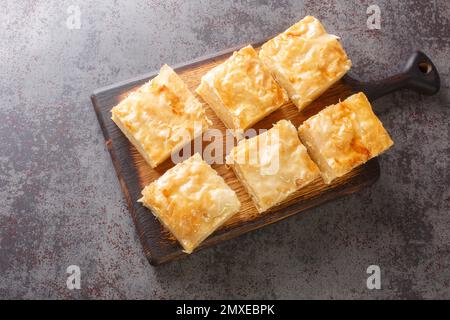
x=191, y=200
x=241, y=91
x=344, y=136
x=273, y=165
x=305, y=60
x=160, y=116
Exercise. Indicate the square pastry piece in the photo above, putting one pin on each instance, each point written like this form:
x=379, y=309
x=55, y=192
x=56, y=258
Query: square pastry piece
x=241, y=91
x=191, y=200
x=305, y=60
x=344, y=136
x=273, y=165
x=160, y=116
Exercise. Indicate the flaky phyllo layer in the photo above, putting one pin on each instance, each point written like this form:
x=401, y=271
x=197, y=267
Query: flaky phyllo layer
x=191, y=200
x=272, y=165
x=344, y=136
x=241, y=91
x=160, y=116
x=305, y=60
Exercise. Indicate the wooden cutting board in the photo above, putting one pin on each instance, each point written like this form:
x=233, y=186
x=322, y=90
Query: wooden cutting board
x=134, y=173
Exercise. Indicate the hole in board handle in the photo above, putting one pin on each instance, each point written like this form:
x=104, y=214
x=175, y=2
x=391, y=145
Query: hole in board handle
x=425, y=67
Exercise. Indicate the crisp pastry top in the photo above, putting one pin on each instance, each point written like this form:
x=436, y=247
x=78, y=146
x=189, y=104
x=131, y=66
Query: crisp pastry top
x=346, y=134
x=273, y=164
x=161, y=115
x=245, y=87
x=305, y=59
x=191, y=200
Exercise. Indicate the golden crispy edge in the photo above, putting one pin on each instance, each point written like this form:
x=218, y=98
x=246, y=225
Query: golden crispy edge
x=210, y=97
x=256, y=201
x=187, y=248
x=145, y=155
x=325, y=171
x=377, y=140
x=302, y=105
x=134, y=142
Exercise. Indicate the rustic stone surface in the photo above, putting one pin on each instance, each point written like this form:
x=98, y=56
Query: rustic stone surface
x=61, y=204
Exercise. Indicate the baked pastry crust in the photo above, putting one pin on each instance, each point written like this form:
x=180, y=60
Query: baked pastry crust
x=305, y=60
x=191, y=200
x=241, y=91
x=273, y=165
x=160, y=116
x=344, y=136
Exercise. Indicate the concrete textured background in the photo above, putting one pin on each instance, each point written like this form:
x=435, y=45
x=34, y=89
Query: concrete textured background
x=61, y=203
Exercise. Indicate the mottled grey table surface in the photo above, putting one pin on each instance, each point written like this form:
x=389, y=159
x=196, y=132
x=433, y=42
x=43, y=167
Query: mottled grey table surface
x=61, y=203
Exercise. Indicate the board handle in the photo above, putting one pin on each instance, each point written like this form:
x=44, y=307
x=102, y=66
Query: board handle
x=419, y=74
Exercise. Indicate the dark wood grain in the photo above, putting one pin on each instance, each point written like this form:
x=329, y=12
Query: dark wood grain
x=134, y=173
